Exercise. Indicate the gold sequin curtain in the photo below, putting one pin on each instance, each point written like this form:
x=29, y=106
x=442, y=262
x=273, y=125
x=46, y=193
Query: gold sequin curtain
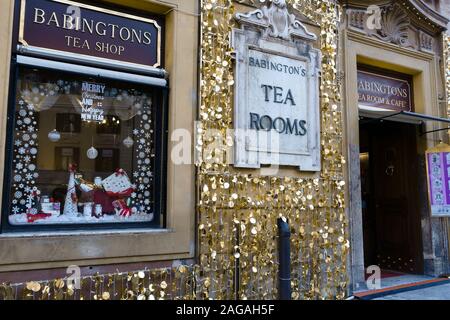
x=238, y=212
x=159, y=284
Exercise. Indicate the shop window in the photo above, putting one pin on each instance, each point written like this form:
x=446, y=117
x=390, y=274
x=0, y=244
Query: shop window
x=85, y=151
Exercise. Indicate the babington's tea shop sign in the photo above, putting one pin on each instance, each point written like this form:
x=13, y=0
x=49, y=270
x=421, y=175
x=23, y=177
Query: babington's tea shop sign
x=383, y=91
x=90, y=31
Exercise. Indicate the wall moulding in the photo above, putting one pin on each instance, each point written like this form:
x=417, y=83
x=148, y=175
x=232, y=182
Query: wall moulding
x=400, y=24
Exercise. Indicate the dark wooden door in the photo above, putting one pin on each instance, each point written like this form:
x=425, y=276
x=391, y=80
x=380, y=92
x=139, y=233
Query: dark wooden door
x=395, y=209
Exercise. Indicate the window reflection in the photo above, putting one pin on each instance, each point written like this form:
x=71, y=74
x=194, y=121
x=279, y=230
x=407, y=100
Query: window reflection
x=83, y=150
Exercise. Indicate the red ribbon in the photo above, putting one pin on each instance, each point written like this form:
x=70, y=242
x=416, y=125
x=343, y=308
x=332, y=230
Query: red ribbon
x=125, y=193
x=125, y=212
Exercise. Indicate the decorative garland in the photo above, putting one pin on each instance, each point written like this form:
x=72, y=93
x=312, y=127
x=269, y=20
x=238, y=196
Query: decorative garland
x=158, y=284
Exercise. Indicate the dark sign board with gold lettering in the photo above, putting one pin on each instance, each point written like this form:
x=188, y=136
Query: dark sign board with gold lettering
x=82, y=29
x=384, y=91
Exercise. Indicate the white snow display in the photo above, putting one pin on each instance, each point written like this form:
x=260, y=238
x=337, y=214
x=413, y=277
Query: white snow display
x=19, y=219
x=142, y=198
x=25, y=151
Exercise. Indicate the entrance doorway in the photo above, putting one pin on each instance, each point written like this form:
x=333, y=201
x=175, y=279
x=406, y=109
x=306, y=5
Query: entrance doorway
x=390, y=196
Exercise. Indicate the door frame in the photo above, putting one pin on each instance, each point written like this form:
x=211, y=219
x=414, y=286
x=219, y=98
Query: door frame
x=424, y=68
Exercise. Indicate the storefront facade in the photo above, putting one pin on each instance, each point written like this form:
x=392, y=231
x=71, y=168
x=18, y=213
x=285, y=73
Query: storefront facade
x=153, y=146
x=64, y=115
x=390, y=220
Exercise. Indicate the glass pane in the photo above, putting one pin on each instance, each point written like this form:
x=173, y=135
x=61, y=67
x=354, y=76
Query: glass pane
x=83, y=150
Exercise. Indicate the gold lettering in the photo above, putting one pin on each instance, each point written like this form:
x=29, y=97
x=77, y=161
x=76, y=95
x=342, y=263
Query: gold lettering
x=109, y=48
x=76, y=42
x=89, y=25
x=136, y=35
x=103, y=32
x=147, y=38
x=68, y=22
x=86, y=45
x=39, y=13
x=77, y=23
x=68, y=40
x=54, y=19
x=98, y=47
x=113, y=30
x=121, y=32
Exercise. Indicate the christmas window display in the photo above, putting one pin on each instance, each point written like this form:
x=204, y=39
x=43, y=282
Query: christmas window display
x=83, y=150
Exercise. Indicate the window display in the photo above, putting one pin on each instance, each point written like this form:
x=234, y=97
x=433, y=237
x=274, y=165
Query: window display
x=83, y=150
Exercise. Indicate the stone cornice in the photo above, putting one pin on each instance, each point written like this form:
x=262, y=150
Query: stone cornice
x=417, y=7
x=438, y=19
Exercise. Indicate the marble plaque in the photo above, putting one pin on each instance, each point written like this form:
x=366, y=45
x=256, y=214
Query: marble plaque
x=277, y=117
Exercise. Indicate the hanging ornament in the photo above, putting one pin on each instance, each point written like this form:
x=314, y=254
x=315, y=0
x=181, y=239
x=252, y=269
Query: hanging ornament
x=92, y=153
x=54, y=136
x=128, y=142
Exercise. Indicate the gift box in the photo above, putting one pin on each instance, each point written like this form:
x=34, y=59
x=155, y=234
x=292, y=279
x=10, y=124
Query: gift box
x=122, y=208
x=118, y=184
x=53, y=208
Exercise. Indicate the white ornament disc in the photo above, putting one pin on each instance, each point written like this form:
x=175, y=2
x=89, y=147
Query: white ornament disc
x=92, y=153
x=128, y=142
x=54, y=136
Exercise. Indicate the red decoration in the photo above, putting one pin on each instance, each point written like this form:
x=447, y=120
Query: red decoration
x=122, y=207
x=73, y=167
x=101, y=197
x=35, y=217
x=120, y=172
x=125, y=193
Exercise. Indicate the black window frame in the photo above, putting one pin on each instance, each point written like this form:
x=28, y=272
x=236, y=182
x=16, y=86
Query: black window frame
x=160, y=120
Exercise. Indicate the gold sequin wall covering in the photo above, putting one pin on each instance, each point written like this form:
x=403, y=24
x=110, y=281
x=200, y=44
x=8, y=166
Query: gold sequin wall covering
x=237, y=213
